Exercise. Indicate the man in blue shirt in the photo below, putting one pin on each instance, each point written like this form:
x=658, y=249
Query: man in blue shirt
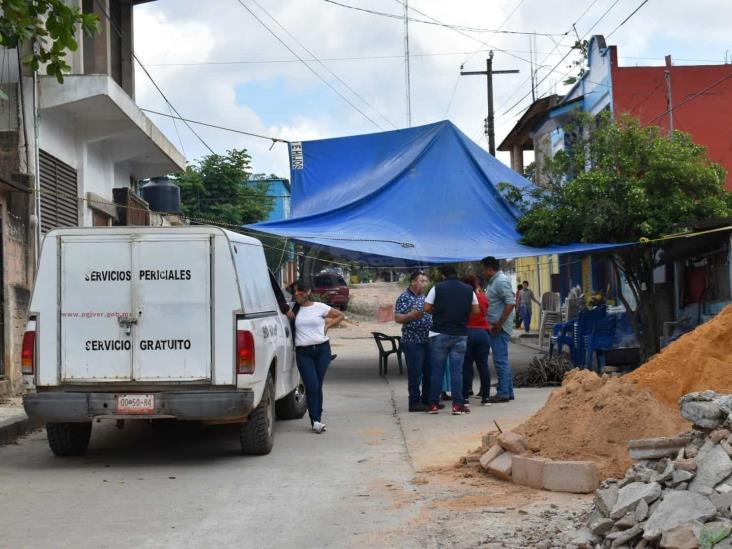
x=501, y=304
x=409, y=312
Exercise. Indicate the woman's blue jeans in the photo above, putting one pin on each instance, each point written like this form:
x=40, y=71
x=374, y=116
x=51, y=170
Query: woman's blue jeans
x=312, y=362
x=478, y=349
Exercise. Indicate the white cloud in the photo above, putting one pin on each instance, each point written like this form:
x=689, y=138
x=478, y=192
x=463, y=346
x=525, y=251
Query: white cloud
x=191, y=31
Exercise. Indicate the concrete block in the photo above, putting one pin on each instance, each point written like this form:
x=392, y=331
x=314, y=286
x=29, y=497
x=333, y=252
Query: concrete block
x=655, y=448
x=528, y=471
x=490, y=455
x=577, y=477
x=500, y=467
x=513, y=442
x=605, y=499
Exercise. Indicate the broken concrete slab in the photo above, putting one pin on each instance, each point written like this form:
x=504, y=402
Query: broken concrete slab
x=490, y=455
x=621, y=538
x=681, y=536
x=706, y=414
x=685, y=465
x=630, y=495
x=528, y=471
x=605, y=499
x=489, y=440
x=577, y=477
x=600, y=526
x=713, y=466
x=500, y=467
x=677, y=508
x=680, y=476
x=513, y=442
x=655, y=448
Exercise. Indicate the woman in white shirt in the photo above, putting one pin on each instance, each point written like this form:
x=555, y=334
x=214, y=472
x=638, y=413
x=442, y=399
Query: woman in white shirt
x=312, y=347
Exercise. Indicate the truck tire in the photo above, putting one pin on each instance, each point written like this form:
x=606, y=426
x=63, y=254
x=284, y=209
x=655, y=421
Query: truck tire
x=68, y=439
x=294, y=405
x=257, y=434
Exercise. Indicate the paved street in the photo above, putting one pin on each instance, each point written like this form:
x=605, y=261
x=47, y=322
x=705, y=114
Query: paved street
x=368, y=480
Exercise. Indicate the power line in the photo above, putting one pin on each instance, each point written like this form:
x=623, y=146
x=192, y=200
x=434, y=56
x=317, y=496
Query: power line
x=615, y=2
x=147, y=73
x=573, y=26
x=469, y=57
x=463, y=33
x=690, y=98
x=624, y=21
x=320, y=62
x=215, y=126
x=316, y=73
x=437, y=23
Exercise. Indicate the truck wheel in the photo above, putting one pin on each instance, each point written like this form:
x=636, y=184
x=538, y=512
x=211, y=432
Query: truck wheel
x=257, y=434
x=68, y=439
x=294, y=405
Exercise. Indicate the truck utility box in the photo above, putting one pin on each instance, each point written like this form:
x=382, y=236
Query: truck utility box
x=157, y=323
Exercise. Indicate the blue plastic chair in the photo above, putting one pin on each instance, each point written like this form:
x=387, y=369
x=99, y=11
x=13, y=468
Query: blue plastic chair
x=561, y=336
x=585, y=324
x=600, y=340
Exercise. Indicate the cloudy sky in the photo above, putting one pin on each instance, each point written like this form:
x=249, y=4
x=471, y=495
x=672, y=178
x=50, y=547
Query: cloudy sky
x=217, y=63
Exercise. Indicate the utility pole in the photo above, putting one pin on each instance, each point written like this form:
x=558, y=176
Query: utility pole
x=488, y=73
x=669, y=101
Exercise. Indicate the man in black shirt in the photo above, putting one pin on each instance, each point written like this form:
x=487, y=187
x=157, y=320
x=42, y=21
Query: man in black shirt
x=451, y=303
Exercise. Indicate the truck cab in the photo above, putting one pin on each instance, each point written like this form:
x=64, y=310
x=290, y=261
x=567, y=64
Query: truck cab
x=157, y=323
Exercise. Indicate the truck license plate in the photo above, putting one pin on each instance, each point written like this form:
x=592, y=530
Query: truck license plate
x=136, y=404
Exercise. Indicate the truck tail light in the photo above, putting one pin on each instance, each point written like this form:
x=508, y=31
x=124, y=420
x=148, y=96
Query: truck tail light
x=28, y=353
x=245, y=355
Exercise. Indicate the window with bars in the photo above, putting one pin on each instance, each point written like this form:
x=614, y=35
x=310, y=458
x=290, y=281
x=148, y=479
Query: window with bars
x=59, y=193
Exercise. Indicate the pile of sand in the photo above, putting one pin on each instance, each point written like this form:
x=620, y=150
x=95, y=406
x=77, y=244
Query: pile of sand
x=593, y=418
x=697, y=361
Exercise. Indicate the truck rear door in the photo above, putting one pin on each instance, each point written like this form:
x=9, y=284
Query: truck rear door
x=136, y=308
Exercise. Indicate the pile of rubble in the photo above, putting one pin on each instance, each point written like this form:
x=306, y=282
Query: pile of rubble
x=679, y=493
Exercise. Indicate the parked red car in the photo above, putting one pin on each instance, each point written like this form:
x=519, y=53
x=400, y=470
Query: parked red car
x=332, y=289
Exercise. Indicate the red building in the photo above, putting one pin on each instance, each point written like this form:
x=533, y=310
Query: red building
x=701, y=99
x=701, y=102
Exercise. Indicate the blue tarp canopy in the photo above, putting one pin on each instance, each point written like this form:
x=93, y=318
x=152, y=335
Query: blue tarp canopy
x=421, y=195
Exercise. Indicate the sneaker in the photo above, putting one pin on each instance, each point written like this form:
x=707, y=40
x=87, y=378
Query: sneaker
x=418, y=408
x=433, y=409
x=319, y=427
x=485, y=402
x=498, y=400
x=457, y=410
x=466, y=408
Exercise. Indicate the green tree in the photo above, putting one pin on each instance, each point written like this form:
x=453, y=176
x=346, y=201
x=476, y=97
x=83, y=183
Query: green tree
x=623, y=182
x=49, y=27
x=218, y=189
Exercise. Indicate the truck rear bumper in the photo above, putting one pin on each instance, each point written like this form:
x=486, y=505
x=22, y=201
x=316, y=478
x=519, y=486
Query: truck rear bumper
x=185, y=405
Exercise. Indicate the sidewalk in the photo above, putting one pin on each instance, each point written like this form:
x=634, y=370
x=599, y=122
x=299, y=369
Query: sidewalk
x=13, y=421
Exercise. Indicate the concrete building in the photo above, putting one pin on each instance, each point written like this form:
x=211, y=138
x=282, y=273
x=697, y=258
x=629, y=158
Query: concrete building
x=93, y=147
x=701, y=100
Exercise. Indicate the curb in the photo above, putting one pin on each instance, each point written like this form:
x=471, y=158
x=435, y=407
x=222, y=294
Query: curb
x=14, y=427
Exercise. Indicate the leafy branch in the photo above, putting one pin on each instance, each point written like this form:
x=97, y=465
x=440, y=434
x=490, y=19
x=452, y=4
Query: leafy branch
x=49, y=26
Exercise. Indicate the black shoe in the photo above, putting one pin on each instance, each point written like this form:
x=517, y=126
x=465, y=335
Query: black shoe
x=445, y=396
x=498, y=400
x=418, y=408
x=333, y=357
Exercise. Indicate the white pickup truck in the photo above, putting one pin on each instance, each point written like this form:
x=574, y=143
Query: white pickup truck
x=157, y=323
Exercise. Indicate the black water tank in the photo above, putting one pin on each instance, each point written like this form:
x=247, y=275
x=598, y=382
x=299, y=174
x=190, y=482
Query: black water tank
x=162, y=195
